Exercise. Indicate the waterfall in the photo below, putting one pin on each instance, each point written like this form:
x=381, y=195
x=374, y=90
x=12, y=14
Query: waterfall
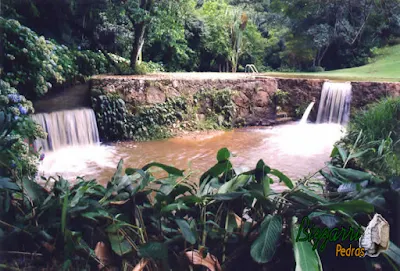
x=307, y=113
x=67, y=128
x=334, y=105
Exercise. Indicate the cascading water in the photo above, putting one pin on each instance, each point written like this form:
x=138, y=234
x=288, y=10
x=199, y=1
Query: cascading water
x=334, y=105
x=67, y=128
x=72, y=146
x=307, y=113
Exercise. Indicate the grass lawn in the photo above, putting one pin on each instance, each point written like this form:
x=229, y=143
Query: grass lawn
x=384, y=67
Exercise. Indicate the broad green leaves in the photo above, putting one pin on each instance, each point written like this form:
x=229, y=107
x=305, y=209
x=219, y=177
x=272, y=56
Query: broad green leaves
x=263, y=248
x=186, y=231
x=351, y=207
x=306, y=258
x=169, y=169
x=223, y=155
x=394, y=253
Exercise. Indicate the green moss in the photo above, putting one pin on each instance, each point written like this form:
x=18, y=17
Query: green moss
x=149, y=122
x=217, y=106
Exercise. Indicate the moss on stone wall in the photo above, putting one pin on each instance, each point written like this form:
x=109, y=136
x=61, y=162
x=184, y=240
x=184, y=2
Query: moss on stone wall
x=217, y=106
x=117, y=120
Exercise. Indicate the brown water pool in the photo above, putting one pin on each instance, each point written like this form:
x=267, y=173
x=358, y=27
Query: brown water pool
x=296, y=150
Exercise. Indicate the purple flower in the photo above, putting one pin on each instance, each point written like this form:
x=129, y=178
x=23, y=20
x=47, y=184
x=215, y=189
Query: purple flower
x=13, y=97
x=13, y=164
x=23, y=110
x=16, y=117
x=41, y=157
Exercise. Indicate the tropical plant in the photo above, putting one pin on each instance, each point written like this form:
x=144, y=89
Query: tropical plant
x=17, y=133
x=376, y=128
x=226, y=222
x=33, y=64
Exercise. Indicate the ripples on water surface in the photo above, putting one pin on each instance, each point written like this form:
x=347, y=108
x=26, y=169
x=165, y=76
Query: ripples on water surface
x=296, y=150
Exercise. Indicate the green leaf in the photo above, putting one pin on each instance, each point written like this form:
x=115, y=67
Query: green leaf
x=119, y=244
x=64, y=212
x=331, y=178
x=186, y=231
x=261, y=171
x=263, y=248
x=35, y=192
x=393, y=252
x=266, y=186
x=305, y=257
x=174, y=206
x=6, y=183
x=118, y=173
x=223, y=155
x=130, y=171
x=78, y=196
x=343, y=153
x=154, y=250
x=234, y=184
x=349, y=174
x=327, y=219
x=168, y=169
x=283, y=178
x=231, y=224
x=351, y=207
x=228, y=196
x=358, y=154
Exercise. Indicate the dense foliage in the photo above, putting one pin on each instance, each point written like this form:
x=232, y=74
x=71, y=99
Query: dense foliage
x=228, y=221
x=17, y=132
x=215, y=35
x=374, y=133
x=33, y=64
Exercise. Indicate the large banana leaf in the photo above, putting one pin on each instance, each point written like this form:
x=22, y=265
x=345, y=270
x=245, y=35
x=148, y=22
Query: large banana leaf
x=263, y=248
x=306, y=258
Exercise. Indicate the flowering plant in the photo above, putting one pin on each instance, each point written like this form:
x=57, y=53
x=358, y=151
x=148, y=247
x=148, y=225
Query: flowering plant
x=17, y=133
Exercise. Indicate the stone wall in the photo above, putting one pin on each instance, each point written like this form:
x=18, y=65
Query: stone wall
x=120, y=102
x=63, y=99
x=302, y=91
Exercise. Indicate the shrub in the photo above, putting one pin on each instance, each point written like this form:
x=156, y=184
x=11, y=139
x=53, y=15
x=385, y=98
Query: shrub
x=317, y=69
x=377, y=128
x=231, y=220
x=33, y=64
x=149, y=67
x=17, y=132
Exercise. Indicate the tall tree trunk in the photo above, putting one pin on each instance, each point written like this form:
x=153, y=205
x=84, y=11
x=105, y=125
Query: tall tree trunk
x=138, y=43
x=321, y=54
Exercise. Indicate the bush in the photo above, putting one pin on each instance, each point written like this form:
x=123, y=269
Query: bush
x=378, y=129
x=149, y=67
x=33, y=64
x=235, y=220
x=317, y=69
x=17, y=132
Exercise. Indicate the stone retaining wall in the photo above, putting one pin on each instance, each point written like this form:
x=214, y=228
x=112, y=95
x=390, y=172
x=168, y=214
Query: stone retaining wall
x=154, y=104
x=251, y=100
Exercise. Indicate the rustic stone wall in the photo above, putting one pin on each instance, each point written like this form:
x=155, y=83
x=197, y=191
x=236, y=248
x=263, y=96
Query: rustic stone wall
x=120, y=102
x=302, y=91
x=63, y=99
x=254, y=99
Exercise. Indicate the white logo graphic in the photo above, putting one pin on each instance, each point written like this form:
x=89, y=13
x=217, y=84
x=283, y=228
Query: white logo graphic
x=376, y=236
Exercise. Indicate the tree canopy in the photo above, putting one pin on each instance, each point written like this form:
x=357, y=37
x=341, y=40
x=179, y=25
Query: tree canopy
x=218, y=35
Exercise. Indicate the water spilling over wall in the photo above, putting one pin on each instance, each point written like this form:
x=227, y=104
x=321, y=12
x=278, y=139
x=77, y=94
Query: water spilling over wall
x=334, y=105
x=67, y=128
x=307, y=113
